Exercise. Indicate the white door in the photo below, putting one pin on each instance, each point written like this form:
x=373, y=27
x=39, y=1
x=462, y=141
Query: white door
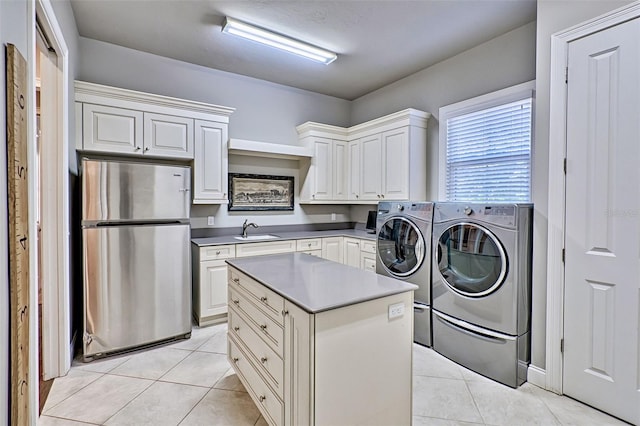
x=370, y=167
x=339, y=175
x=322, y=172
x=354, y=170
x=168, y=136
x=210, y=163
x=352, y=252
x=603, y=222
x=395, y=164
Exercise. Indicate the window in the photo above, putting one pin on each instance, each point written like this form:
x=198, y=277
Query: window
x=485, y=147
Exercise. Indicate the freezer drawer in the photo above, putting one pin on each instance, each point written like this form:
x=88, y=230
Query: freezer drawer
x=500, y=357
x=137, y=286
x=126, y=191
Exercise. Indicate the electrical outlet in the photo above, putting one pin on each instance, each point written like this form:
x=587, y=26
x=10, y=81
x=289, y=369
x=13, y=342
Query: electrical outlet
x=396, y=310
x=333, y=217
x=211, y=220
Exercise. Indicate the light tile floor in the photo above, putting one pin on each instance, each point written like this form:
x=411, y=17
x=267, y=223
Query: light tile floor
x=191, y=383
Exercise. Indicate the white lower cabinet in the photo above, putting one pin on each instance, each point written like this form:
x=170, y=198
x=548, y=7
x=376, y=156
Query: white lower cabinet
x=322, y=373
x=351, y=252
x=209, y=284
x=368, y=255
x=332, y=249
x=311, y=246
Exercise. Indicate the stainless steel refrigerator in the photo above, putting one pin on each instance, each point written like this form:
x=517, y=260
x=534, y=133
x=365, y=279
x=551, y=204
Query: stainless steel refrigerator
x=135, y=252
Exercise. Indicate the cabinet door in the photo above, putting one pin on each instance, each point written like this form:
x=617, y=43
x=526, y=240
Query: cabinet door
x=213, y=288
x=168, y=136
x=111, y=130
x=352, y=252
x=340, y=176
x=210, y=163
x=332, y=249
x=395, y=164
x=368, y=262
x=354, y=170
x=371, y=166
x=322, y=169
x=298, y=366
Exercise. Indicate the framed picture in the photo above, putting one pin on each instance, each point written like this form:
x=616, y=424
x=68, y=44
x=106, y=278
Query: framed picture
x=260, y=192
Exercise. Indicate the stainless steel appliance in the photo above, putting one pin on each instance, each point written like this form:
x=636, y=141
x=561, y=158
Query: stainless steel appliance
x=404, y=252
x=136, y=259
x=481, y=287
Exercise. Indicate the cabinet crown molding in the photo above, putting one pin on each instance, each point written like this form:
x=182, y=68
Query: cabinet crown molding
x=98, y=93
x=265, y=149
x=406, y=117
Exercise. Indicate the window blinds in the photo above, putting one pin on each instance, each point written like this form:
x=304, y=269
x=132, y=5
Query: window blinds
x=488, y=154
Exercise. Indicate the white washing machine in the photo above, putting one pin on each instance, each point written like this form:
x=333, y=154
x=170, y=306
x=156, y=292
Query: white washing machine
x=404, y=252
x=481, y=287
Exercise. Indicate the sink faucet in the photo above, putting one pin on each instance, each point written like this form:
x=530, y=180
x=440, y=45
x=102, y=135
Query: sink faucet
x=245, y=225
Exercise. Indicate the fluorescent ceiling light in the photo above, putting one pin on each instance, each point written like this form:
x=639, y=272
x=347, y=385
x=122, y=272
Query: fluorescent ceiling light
x=235, y=27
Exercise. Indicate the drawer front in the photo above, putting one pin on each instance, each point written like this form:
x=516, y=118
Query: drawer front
x=317, y=253
x=267, y=402
x=309, y=244
x=368, y=246
x=269, y=301
x=270, y=331
x=270, y=365
x=368, y=262
x=217, y=252
x=259, y=249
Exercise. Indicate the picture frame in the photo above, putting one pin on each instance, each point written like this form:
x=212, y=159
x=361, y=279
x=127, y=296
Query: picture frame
x=250, y=192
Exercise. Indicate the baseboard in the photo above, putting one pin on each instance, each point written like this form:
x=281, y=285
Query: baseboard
x=537, y=376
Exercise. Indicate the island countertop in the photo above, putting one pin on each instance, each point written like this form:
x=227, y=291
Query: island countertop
x=316, y=284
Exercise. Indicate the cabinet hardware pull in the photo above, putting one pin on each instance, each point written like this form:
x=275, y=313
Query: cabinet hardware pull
x=263, y=327
x=146, y=149
x=237, y=301
x=235, y=360
x=263, y=299
x=262, y=398
x=357, y=195
x=263, y=359
x=382, y=196
x=236, y=280
x=285, y=313
x=218, y=253
x=137, y=148
x=236, y=328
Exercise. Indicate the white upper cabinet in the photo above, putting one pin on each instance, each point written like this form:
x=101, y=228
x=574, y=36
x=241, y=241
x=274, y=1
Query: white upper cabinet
x=168, y=136
x=115, y=121
x=382, y=159
x=210, y=163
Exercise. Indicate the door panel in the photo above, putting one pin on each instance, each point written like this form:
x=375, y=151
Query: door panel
x=603, y=221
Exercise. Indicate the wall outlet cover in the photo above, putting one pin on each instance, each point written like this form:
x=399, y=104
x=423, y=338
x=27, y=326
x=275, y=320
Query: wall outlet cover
x=211, y=220
x=396, y=310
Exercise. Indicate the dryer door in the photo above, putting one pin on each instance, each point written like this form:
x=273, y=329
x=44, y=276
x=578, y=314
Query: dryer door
x=471, y=260
x=401, y=248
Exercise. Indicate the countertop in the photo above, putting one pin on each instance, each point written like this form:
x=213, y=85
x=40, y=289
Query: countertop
x=230, y=239
x=316, y=284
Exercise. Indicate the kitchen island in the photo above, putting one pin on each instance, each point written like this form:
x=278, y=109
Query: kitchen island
x=316, y=342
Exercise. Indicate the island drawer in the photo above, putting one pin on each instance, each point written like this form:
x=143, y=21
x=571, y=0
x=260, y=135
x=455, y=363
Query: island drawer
x=309, y=244
x=269, y=363
x=217, y=252
x=267, y=402
x=368, y=246
x=270, y=331
x=269, y=301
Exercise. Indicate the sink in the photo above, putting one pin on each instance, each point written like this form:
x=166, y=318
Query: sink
x=257, y=237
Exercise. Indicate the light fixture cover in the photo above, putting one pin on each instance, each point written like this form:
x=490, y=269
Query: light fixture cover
x=260, y=35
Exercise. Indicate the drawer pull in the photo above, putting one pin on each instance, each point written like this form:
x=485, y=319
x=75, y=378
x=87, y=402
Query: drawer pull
x=263, y=327
x=236, y=280
x=263, y=299
x=218, y=253
x=309, y=245
x=263, y=359
x=235, y=360
x=237, y=301
x=236, y=328
x=285, y=313
x=262, y=398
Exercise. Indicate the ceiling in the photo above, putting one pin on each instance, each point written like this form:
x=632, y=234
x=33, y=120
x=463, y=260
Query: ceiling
x=377, y=41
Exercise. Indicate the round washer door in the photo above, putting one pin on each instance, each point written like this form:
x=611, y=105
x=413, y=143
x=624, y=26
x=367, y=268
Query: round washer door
x=400, y=247
x=471, y=260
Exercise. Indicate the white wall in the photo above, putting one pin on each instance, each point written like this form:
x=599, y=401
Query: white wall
x=14, y=29
x=553, y=16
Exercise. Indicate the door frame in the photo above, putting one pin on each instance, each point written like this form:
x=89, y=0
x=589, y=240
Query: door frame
x=557, y=208
x=56, y=351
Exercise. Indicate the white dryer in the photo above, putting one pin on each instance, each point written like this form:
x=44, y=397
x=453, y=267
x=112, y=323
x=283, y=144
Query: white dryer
x=404, y=252
x=481, y=287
